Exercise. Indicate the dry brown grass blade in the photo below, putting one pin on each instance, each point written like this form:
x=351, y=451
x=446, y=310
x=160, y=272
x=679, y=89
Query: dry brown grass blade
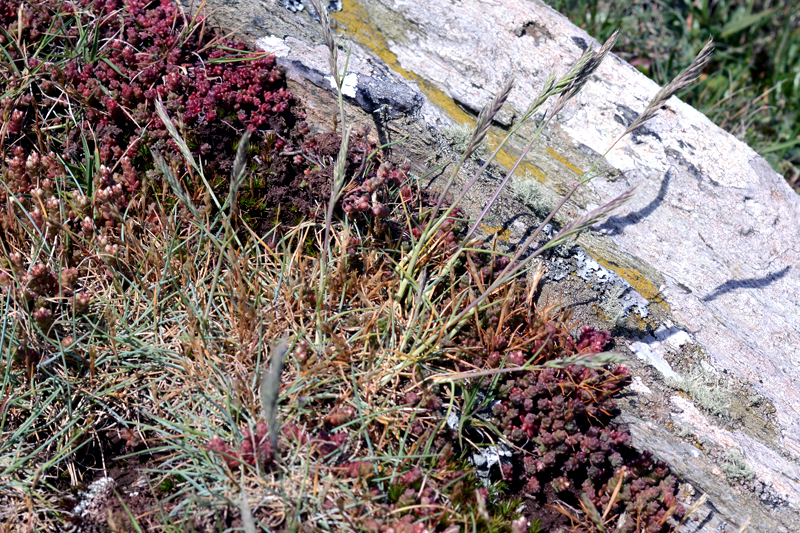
x=562, y=508
x=614, y=495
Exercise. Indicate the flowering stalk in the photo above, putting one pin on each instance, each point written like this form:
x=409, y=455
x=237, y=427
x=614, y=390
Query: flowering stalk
x=339, y=169
x=566, y=87
x=683, y=80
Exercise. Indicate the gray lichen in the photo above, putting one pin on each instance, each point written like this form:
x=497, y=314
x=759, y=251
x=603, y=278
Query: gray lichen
x=533, y=194
x=459, y=136
x=297, y=5
x=709, y=392
x=736, y=467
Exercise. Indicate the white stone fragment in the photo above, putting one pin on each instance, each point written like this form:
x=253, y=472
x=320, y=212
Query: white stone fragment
x=274, y=45
x=653, y=355
x=638, y=386
x=452, y=421
x=349, y=84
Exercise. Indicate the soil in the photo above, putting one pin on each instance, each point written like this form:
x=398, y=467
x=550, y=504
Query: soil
x=549, y=518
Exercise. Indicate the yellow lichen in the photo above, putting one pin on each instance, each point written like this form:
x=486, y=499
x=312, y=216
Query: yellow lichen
x=563, y=160
x=358, y=25
x=503, y=234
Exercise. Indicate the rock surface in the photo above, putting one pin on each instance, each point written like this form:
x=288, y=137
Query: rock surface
x=700, y=272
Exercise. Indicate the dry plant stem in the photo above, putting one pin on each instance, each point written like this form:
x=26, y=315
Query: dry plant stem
x=582, y=71
x=338, y=172
x=614, y=495
x=239, y=174
x=270, y=386
x=546, y=92
x=679, y=83
x=597, y=360
x=592, y=512
x=683, y=80
x=485, y=118
x=478, y=135
x=327, y=36
x=566, y=87
x=248, y=523
x=572, y=228
x=514, y=267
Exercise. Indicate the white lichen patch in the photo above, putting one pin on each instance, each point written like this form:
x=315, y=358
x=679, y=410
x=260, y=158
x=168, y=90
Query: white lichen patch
x=272, y=44
x=492, y=457
x=94, y=499
x=638, y=386
x=453, y=421
x=591, y=270
x=349, y=84
x=619, y=297
x=652, y=353
x=653, y=349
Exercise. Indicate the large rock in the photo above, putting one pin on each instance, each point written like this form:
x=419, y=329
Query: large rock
x=699, y=272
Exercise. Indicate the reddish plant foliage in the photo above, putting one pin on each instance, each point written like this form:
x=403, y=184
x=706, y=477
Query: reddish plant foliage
x=562, y=420
x=147, y=51
x=76, y=131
